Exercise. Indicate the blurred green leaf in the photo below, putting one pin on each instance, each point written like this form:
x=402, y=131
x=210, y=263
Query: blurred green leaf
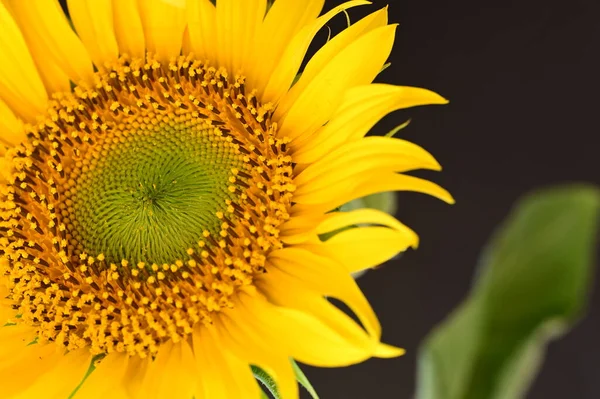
x=532, y=285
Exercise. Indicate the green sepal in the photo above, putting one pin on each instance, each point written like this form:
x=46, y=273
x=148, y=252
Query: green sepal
x=267, y=381
x=385, y=66
x=301, y=378
x=270, y=385
x=89, y=371
x=395, y=130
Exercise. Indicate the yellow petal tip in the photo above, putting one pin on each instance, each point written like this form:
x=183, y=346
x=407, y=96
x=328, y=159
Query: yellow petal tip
x=440, y=100
x=445, y=196
x=450, y=200
x=388, y=351
x=435, y=165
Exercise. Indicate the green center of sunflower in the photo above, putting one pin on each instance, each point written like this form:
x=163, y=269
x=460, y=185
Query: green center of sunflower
x=149, y=198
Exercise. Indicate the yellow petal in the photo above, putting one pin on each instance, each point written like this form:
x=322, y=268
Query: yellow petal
x=12, y=340
x=93, y=21
x=299, y=229
x=375, y=154
x=201, y=17
x=367, y=184
x=6, y=166
x=287, y=68
x=388, y=351
x=51, y=39
x=6, y=312
x=107, y=379
x=117, y=393
x=21, y=87
x=128, y=28
x=164, y=22
x=172, y=374
x=135, y=375
x=236, y=24
x=400, y=182
x=241, y=375
x=59, y=381
x=337, y=220
x=285, y=290
x=327, y=276
x=349, y=68
x=220, y=373
x=283, y=21
x=25, y=367
x=305, y=337
x=364, y=247
x=248, y=344
x=54, y=78
x=360, y=110
x=11, y=127
x=186, y=45
x=326, y=53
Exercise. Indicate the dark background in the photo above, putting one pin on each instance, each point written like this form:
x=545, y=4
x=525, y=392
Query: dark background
x=522, y=80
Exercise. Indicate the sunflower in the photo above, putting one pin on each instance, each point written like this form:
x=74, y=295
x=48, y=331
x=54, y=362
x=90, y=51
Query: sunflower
x=167, y=180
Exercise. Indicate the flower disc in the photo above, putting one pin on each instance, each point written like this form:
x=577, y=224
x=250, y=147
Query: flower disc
x=145, y=193
x=141, y=205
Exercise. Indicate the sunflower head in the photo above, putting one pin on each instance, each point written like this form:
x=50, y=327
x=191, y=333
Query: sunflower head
x=156, y=194
x=166, y=184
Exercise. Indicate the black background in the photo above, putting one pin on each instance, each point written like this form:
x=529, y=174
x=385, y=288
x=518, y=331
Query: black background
x=522, y=80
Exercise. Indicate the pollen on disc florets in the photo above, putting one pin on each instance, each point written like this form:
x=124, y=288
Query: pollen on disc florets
x=139, y=206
